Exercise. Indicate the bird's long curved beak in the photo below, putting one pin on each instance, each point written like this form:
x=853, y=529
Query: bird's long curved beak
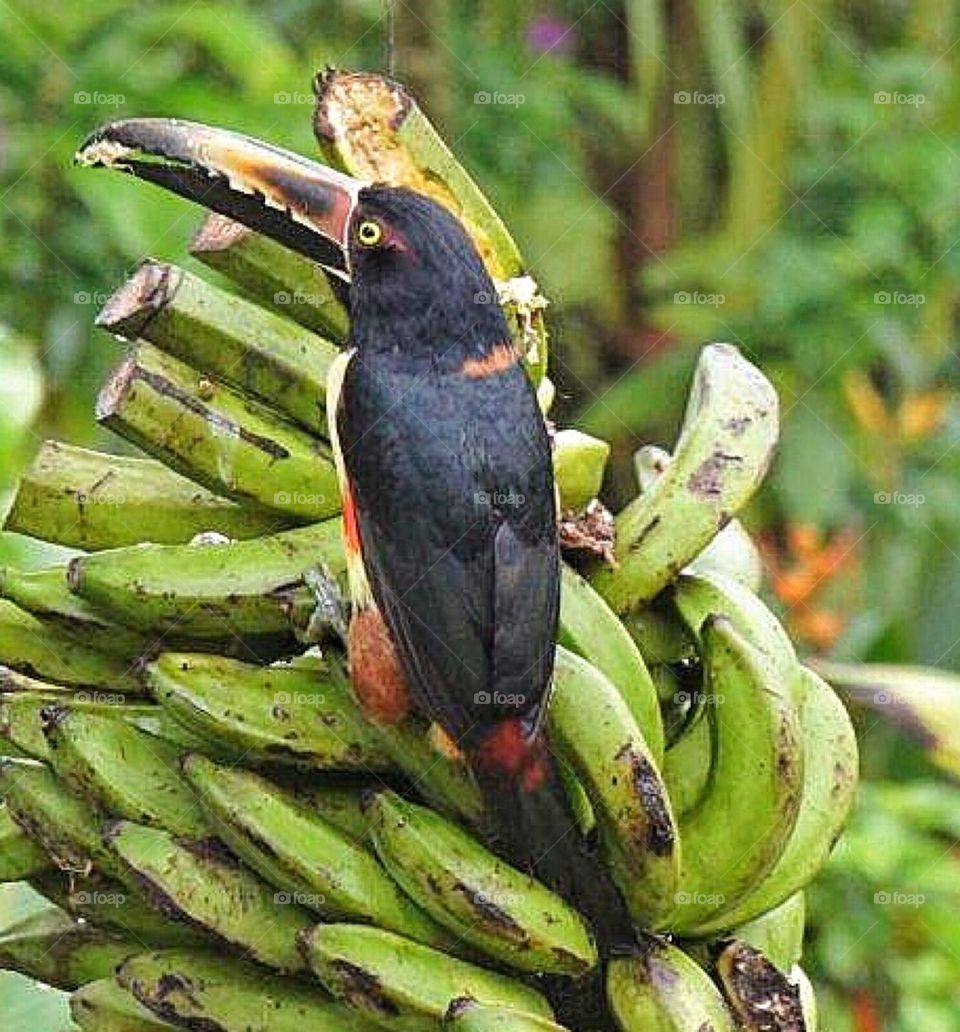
x=300, y=203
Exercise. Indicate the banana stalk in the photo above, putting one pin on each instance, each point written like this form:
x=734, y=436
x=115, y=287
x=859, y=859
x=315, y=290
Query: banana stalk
x=225, y=336
x=280, y=279
x=212, y=434
x=91, y=500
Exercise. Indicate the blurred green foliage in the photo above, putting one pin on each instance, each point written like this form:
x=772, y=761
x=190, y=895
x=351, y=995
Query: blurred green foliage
x=781, y=175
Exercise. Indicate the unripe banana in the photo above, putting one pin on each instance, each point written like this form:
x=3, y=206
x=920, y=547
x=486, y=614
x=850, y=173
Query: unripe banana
x=50, y=947
x=213, y=591
x=202, y=990
x=104, y=1006
x=467, y=1015
x=609, y=754
x=303, y=715
x=687, y=765
x=21, y=856
x=830, y=762
x=337, y=805
x=65, y=825
x=578, y=464
x=474, y=894
x=590, y=628
x=661, y=636
x=664, y=990
x=403, y=985
x=199, y=883
x=720, y=459
x=299, y=853
x=778, y=934
x=145, y=786
x=761, y=996
x=737, y=832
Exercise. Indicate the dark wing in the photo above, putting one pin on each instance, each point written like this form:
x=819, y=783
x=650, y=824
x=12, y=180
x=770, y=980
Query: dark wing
x=458, y=531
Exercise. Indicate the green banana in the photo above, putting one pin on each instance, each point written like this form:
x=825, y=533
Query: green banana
x=337, y=805
x=736, y=833
x=195, y=989
x=482, y=900
x=662, y=638
x=687, y=765
x=90, y=500
x=609, y=754
x=760, y=995
x=830, y=764
x=589, y=627
x=39, y=649
x=729, y=433
x=198, y=883
x=145, y=786
x=578, y=464
x=106, y=903
x=467, y=1015
x=299, y=853
x=104, y=1006
x=778, y=934
x=663, y=990
x=51, y=947
x=300, y=714
x=21, y=856
x=65, y=825
x=403, y=984
x=213, y=591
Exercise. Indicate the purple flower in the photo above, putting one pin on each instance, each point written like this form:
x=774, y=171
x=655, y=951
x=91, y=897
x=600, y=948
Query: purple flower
x=550, y=34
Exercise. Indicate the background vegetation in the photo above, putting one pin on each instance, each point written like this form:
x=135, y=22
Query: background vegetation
x=778, y=173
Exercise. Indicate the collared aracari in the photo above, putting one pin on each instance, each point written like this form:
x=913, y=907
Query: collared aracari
x=449, y=506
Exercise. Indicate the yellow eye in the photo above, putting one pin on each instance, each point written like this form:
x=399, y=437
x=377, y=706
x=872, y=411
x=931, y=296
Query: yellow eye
x=369, y=233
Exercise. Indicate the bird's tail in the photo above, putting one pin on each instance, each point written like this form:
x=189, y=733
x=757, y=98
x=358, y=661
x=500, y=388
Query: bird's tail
x=531, y=824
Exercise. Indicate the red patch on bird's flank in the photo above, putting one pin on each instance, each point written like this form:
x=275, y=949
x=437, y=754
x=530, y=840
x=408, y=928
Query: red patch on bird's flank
x=351, y=529
x=378, y=679
x=510, y=749
x=499, y=358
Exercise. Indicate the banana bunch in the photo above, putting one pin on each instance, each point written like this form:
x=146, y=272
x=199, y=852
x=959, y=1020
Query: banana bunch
x=216, y=836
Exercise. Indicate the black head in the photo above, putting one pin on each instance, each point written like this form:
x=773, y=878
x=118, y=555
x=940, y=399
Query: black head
x=418, y=285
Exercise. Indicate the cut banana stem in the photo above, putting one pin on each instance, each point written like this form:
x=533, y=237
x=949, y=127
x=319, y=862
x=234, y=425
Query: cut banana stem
x=259, y=352
x=209, y=432
x=402, y=984
x=578, y=464
x=65, y=825
x=91, y=500
x=202, y=885
x=302, y=715
x=778, y=934
x=280, y=279
x=736, y=834
x=595, y=732
x=469, y=1016
x=41, y=649
x=475, y=895
x=212, y=591
x=830, y=767
x=589, y=627
x=21, y=857
x=194, y=989
x=51, y=947
x=145, y=786
x=664, y=990
x=298, y=852
x=720, y=459
x=105, y=1006
x=761, y=996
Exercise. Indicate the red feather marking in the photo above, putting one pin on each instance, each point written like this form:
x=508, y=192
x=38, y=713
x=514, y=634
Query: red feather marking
x=378, y=679
x=351, y=528
x=499, y=358
x=509, y=749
